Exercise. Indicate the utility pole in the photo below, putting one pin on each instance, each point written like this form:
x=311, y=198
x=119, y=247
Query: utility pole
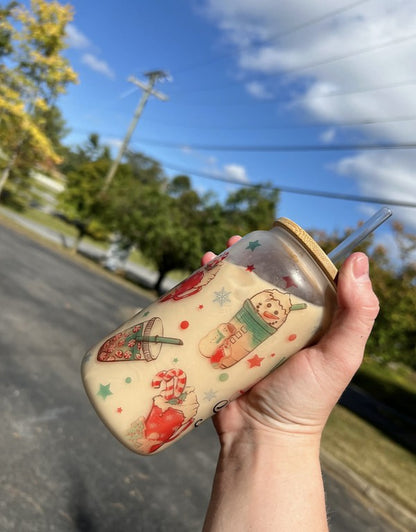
x=148, y=90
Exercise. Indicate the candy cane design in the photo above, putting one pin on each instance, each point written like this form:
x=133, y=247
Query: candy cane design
x=172, y=412
x=175, y=382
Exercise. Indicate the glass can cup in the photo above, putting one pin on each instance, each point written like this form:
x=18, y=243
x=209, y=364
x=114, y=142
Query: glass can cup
x=212, y=337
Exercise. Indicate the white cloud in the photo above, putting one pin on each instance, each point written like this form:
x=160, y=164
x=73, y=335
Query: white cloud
x=98, y=65
x=337, y=59
x=328, y=135
x=258, y=90
x=388, y=175
x=236, y=173
x=75, y=38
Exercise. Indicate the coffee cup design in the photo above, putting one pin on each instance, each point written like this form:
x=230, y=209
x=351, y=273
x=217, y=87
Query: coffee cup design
x=143, y=341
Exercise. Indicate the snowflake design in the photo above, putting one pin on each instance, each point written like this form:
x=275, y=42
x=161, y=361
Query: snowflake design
x=210, y=394
x=222, y=297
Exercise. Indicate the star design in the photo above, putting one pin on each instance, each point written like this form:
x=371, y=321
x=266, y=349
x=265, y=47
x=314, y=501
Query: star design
x=209, y=395
x=289, y=281
x=104, y=391
x=222, y=297
x=250, y=267
x=253, y=245
x=255, y=361
x=175, y=360
x=119, y=410
x=201, y=307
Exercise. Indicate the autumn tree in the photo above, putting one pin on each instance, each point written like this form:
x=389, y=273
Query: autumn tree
x=33, y=77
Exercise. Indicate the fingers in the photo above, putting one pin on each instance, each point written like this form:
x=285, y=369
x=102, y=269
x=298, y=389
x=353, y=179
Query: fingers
x=209, y=255
x=343, y=346
x=233, y=240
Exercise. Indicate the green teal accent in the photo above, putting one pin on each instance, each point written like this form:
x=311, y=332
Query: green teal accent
x=253, y=245
x=298, y=306
x=255, y=324
x=128, y=380
x=104, y=391
x=223, y=377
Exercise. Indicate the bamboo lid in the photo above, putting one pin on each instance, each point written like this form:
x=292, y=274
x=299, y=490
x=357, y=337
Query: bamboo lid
x=309, y=243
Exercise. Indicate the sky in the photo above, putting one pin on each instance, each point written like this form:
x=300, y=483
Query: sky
x=293, y=93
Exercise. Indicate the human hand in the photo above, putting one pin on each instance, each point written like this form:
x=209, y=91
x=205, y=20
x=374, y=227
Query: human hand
x=296, y=400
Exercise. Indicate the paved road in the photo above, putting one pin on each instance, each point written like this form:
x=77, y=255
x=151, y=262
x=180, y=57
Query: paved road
x=60, y=469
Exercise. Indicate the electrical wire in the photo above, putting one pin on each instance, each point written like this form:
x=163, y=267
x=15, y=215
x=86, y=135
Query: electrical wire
x=283, y=33
x=304, y=99
x=292, y=190
x=282, y=147
x=304, y=125
x=302, y=68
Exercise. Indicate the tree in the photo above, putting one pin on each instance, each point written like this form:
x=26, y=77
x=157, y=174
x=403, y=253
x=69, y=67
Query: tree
x=249, y=209
x=394, y=335
x=80, y=202
x=35, y=75
x=6, y=29
x=92, y=150
x=159, y=218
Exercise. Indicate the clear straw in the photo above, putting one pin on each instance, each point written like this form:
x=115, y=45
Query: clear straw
x=343, y=250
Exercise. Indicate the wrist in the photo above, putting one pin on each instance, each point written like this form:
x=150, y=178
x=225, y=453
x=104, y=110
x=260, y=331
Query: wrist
x=266, y=482
x=268, y=440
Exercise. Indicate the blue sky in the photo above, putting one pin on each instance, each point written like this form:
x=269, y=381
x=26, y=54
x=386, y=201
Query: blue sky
x=264, y=73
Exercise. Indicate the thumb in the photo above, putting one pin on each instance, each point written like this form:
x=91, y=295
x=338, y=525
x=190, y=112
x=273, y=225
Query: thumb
x=342, y=348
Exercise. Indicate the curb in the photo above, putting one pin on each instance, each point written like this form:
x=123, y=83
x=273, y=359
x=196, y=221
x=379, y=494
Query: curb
x=401, y=518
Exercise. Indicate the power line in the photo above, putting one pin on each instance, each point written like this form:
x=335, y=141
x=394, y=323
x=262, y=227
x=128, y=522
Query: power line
x=305, y=125
x=281, y=148
x=291, y=190
x=283, y=33
x=328, y=61
x=272, y=101
x=272, y=127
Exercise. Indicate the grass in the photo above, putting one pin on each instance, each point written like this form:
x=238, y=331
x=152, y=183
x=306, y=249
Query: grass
x=374, y=457
x=394, y=385
x=58, y=225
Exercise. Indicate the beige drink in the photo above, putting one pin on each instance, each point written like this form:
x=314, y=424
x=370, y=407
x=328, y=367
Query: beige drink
x=184, y=357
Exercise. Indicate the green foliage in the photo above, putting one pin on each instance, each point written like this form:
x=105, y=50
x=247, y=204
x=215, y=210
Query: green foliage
x=250, y=209
x=394, y=335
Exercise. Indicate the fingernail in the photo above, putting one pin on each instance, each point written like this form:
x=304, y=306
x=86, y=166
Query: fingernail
x=360, y=268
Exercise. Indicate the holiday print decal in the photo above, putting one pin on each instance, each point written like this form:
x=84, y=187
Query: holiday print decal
x=259, y=317
x=172, y=412
x=143, y=341
x=194, y=284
